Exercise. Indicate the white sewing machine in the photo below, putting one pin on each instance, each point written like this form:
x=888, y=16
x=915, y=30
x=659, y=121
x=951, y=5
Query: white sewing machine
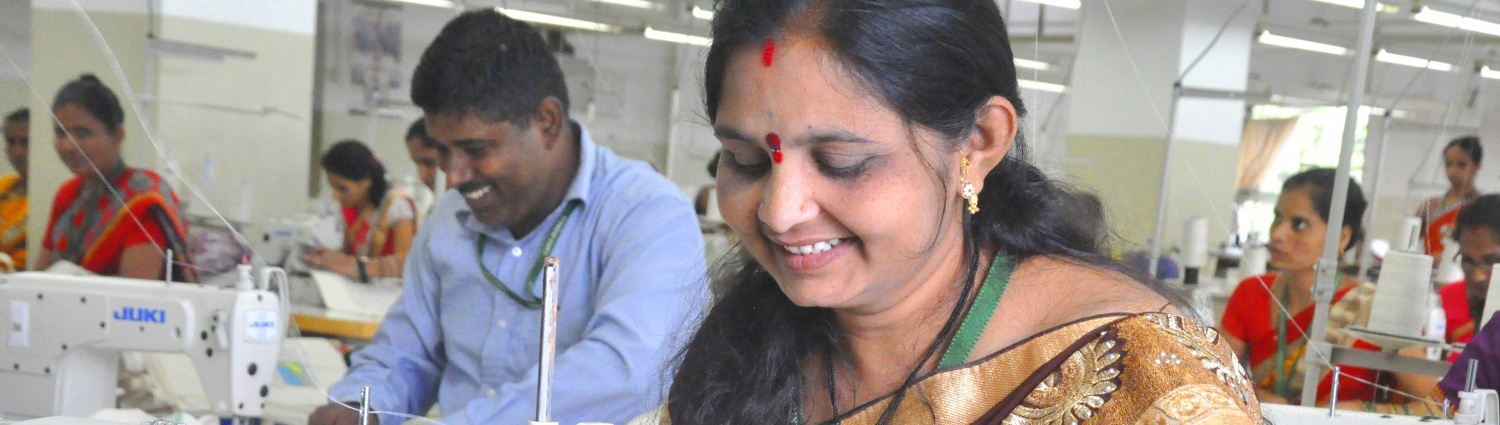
x=283, y=241
x=64, y=335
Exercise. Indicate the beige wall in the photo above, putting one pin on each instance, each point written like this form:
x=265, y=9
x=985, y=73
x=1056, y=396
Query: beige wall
x=1117, y=168
x=1126, y=173
x=65, y=49
x=266, y=151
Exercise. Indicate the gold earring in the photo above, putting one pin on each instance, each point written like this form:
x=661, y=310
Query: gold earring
x=968, y=193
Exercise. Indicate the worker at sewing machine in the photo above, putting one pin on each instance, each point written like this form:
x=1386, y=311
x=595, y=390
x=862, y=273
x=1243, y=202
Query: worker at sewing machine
x=13, y=200
x=1478, y=231
x=380, y=220
x=530, y=183
x=424, y=152
x=1256, y=323
x=110, y=218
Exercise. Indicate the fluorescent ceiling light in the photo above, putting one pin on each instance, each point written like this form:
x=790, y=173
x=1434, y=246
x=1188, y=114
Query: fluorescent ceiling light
x=654, y=34
x=1376, y=110
x=1412, y=61
x=559, y=21
x=1038, y=85
x=1296, y=43
x=642, y=4
x=1450, y=20
x=1028, y=63
x=1360, y=4
x=446, y=4
x=1486, y=72
x=1067, y=4
x=704, y=14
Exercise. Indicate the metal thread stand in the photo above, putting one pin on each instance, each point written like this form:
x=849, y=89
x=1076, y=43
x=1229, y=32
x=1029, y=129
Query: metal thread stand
x=1327, y=266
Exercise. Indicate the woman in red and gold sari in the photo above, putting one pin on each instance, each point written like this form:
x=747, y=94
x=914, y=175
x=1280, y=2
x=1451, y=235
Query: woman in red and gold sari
x=903, y=263
x=1460, y=163
x=109, y=218
x=1255, y=321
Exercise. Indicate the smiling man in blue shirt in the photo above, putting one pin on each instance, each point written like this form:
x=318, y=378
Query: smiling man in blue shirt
x=528, y=183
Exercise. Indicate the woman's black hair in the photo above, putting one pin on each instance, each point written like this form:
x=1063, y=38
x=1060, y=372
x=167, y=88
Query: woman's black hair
x=936, y=63
x=89, y=93
x=350, y=159
x=1484, y=212
x=1319, y=185
x=418, y=131
x=1470, y=146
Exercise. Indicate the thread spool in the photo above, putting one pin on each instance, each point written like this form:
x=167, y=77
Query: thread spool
x=1492, y=298
x=1404, y=277
x=1448, y=269
x=1194, y=248
x=1409, y=236
x=1254, y=261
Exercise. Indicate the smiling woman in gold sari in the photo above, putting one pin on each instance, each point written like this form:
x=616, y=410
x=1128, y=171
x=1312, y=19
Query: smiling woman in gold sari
x=905, y=264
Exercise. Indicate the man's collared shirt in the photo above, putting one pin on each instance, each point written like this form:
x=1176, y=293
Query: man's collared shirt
x=631, y=284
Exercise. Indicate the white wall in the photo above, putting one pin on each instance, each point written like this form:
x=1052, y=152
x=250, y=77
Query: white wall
x=258, y=148
x=15, y=60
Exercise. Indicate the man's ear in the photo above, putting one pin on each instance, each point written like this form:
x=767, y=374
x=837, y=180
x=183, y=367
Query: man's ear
x=549, y=120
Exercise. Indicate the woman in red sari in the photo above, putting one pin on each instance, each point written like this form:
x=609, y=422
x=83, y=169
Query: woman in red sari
x=1258, y=328
x=109, y=218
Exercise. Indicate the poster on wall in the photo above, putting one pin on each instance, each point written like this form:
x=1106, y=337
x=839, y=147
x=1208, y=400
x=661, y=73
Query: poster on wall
x=375, y=53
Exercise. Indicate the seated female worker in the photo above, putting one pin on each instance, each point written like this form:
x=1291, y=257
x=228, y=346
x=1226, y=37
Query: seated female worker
x=380, y=220
x=109, y=218
x=1255, y=317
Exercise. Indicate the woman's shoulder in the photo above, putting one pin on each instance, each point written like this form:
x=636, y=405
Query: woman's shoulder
x=1183, y=372
x=141, y=180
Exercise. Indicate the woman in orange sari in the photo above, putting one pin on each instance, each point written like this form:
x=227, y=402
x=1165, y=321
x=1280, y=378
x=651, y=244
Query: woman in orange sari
x=14, y=203
x=903, y=263
x=109, y=218
x=1460, y=163
x=1258, y=328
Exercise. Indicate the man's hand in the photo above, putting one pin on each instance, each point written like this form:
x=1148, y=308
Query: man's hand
x=334, y=414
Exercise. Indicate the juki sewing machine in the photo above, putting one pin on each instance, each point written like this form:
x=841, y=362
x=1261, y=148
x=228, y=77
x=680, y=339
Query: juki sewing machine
x=65, y=333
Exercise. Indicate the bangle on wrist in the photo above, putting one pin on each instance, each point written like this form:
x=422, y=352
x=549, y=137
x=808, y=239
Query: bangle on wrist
x=364, y=276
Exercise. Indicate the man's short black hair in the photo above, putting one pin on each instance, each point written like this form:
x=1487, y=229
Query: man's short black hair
x=418, y=130
x=1483, y=212
x=488, y=64
x=22, y=116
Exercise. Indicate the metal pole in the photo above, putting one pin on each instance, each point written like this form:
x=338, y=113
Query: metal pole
x=1328, y=265
x=1372, y=185
x=549, y=342
x=1166, y=176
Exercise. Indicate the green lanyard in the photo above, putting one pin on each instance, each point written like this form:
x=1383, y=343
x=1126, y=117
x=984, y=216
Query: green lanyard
x=534, y=301
x=1283, y=373
x=1283, y=378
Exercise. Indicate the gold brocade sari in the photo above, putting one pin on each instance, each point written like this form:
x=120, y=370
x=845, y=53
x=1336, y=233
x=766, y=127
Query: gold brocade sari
x=1150, y=368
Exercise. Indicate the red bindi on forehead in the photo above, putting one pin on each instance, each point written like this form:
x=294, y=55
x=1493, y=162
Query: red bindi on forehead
x=768, y=52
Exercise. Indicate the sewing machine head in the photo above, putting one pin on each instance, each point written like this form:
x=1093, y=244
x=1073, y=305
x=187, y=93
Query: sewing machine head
x=64, y=334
